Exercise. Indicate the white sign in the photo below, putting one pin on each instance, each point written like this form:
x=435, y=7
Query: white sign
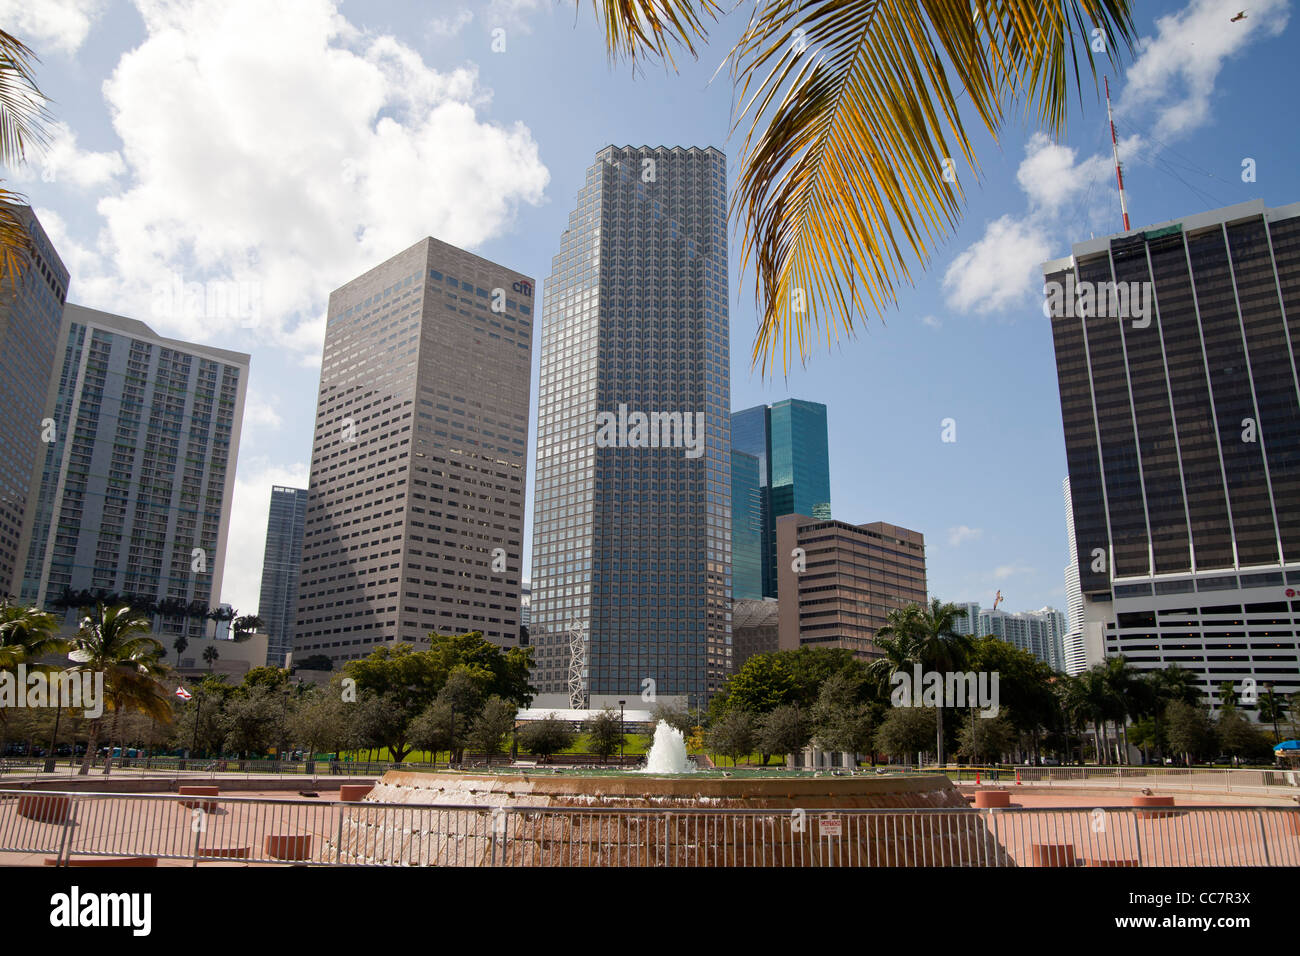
x=831, y=826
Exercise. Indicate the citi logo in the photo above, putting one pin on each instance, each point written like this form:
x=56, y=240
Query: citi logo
x=523, y=288
x=76, y=909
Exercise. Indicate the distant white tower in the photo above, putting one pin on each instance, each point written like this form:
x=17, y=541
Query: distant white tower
x=1075, y=659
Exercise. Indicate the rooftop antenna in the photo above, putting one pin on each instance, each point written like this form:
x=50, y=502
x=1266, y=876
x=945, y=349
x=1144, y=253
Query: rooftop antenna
x=1114, y=145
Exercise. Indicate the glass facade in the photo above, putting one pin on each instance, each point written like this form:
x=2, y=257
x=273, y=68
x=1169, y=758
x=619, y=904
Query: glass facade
x=632, y=544
x=30, y=319
x=789, y=439
x=746, y=528
x=281, y=564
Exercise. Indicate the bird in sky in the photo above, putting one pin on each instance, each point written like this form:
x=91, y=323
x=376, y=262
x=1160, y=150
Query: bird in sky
x=1239, y=16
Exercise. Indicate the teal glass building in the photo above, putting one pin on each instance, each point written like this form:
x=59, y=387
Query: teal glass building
x=789, y=440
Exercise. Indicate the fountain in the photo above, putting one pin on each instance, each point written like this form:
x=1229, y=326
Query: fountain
x=667, y=752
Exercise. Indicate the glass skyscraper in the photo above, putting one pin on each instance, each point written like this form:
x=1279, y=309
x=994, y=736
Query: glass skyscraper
x=789, y=439
x=632, y=539
x=31, y=315
x=1182, y=435
x=746, y=528
x=281, y=564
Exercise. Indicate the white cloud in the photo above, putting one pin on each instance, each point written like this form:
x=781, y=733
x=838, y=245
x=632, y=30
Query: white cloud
x=512, y=13
x=278, y=144
x=58, y=25
x=1051, y=177
x=452, y=25
x=260, y=412
x=930, y=321
x=1016, y=568
x=242, y=582
x=62, y=161
x=962, y=533
x=1175, y=71
x=998, y=269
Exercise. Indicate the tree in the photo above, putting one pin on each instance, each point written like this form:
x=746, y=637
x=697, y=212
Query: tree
x=493, y=725
x=761, y=684
x=546, y=737
x=210, y=655
x=23, y=119
x=317, y=721
x=733, y=734
x=1239, y=738
x=678, y=718
x=845, y=165
x=840, y=721
x=906, y=731
x=253, y=721
x=1272, y=709
x=179, y=646
x=785, y=730
x=242, y=628
x=113, y=641
x=1189, y=730
x=1228, y=696
x=986, y=739
x=26, y=635
x=604, y=733
x=928, y=638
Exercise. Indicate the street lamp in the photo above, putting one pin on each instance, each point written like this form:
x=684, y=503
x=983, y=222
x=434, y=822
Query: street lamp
x=620, y=732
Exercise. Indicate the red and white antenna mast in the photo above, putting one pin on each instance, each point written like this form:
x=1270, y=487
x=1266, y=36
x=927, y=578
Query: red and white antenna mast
x=1114, y=145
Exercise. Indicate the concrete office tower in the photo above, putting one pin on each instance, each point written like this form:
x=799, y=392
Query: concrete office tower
x=746, y=529
x=1076, y=654
x=1039, y=632
x=31, y=315
x=135, y=488
x=838, y=588
x=789, y=440
x=416, y=498
x=632, y=530
x=1182, y=434
x=281, y=565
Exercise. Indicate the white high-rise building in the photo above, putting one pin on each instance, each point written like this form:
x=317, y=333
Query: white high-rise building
x=1076, y=658
x=1038, y=632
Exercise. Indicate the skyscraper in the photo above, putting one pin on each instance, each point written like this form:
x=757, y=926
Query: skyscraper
x=1182, y=434
x=137, y=481
x=281, y=565
x=789, y=439
x=746, y=528
x=631, y=570
x=31, y=315
x=415, y=505
x=844, y=580
x=1076, y=654
x=1039, y=632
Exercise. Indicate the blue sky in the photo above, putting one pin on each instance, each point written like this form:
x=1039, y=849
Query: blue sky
x=292, y=145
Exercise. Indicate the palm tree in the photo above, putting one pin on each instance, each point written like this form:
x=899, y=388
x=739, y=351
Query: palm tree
x=113, y=642
x=1120, y=680
x=210, y=655
x=1228, y=696
x=926, y=636
x=179, y=646
x=26, y=635
x=22, y=123
x=847, y=170
x=897, y=641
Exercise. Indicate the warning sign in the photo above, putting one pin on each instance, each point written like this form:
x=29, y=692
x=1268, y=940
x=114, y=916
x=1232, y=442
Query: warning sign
x=831, y=826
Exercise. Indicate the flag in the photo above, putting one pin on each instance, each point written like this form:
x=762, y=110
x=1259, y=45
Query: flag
x=183, y=694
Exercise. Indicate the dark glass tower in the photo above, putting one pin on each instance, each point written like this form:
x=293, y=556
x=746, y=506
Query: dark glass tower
x=632, y=545
x=789, y=439
x=746, y=528
x=1182, y=433
x=31, y=314
x=281, y=564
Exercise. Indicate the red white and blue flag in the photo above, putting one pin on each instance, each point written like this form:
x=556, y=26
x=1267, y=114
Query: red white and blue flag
x=183, y=694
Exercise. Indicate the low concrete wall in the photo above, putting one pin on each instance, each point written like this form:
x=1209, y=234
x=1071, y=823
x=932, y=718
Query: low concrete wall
x=98, y=783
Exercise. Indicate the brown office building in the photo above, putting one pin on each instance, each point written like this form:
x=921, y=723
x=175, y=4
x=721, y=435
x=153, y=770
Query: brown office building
x=837, y=593
x=415, y=510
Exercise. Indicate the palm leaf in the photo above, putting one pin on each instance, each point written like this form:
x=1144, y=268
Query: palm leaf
x=642, y=28
x=22, y=105
x=853, y=114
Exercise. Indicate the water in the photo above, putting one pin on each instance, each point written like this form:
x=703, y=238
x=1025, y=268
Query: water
x=668, y=752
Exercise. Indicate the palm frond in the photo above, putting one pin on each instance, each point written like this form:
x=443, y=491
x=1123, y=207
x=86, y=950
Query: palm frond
x=23, y=114
x=854, y=122
x=643, y=28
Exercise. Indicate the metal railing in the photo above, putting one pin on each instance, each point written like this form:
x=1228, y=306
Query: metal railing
x=67, y=827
